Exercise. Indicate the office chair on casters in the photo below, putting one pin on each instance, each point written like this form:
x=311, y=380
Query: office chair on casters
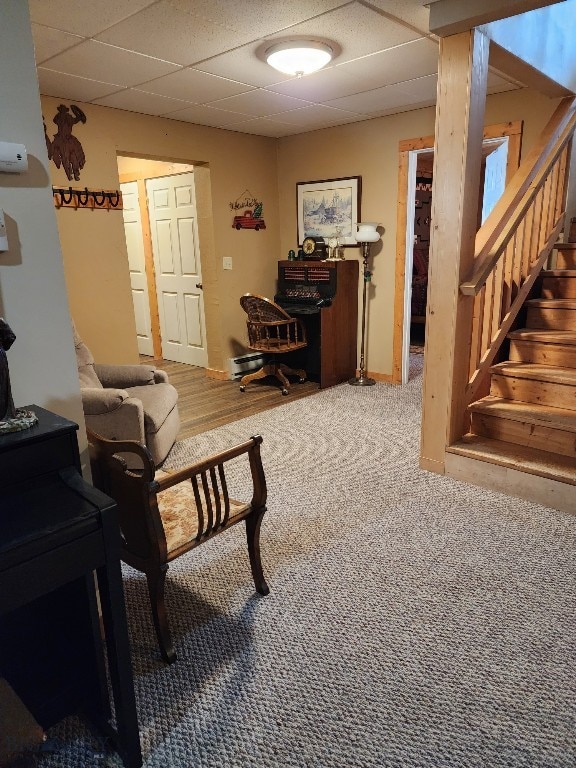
x=272, y=331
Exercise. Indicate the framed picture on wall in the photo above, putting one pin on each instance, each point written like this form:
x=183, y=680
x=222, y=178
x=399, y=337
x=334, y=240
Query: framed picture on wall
x=329, y=207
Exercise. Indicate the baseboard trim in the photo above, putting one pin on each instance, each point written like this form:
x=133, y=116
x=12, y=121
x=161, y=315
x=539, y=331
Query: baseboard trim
x=512, y=482
x=386, y=378
x=432, y=465
x=214, y=373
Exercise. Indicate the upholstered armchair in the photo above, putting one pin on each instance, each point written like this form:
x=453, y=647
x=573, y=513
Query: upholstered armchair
x=128, y=402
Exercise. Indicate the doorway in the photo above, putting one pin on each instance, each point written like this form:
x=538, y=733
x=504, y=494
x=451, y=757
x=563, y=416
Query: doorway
x=415, y=178
x=161, y=232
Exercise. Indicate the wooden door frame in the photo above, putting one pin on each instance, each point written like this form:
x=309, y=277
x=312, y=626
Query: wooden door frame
x=511, y=130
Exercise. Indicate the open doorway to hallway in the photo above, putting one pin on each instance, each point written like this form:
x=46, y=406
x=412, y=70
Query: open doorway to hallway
x=421, y=245
x=500, y=159
x=160, y=223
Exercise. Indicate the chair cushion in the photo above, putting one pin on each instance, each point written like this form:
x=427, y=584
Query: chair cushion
x=86, y=373
x=179, y=513
x=158, y=400
x=88, y=377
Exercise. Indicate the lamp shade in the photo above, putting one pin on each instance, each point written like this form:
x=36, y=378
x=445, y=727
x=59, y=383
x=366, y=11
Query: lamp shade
x=367, y=232
x=298, y=57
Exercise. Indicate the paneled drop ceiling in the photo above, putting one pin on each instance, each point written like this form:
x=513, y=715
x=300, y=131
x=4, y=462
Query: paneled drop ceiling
x=199, y=61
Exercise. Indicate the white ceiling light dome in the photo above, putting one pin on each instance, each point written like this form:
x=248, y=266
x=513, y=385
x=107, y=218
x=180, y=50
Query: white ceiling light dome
x=299, y=57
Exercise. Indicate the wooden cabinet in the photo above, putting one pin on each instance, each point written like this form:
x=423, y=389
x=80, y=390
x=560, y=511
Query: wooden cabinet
x=332, y=330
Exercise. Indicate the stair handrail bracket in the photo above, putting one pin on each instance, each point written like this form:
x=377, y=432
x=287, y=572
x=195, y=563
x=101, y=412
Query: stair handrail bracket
x=515, y=241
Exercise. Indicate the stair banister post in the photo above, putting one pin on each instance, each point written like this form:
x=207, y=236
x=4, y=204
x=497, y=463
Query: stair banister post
x=462, y=77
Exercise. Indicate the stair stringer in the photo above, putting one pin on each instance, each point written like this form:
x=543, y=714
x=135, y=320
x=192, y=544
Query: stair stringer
x=522, y=439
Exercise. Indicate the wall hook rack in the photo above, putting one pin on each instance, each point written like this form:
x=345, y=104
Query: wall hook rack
x=101, y=199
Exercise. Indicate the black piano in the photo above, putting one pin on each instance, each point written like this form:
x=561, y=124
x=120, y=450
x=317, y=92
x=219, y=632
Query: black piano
x=324, y=295
x=56, y=533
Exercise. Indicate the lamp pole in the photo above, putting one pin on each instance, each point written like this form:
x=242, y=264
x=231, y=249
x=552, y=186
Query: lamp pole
x=367, y=234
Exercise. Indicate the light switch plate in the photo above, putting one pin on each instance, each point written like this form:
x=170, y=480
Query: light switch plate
x=227, y=262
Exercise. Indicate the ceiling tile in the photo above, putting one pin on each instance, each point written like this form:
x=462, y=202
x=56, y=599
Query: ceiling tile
x=64, y=86
x=134, y=100
x=420, y=89
x=81, y=17
x=404, y=62
x=416, y=14
x=164, y=32
x=316, y=115
x=262, y=126
x=259, y=103
x=195, y=87
x=48, y=42
x=201, y=115
x=247, y=16
x=389, y=97
x=498, y=84
x=328, y=83
x=403, y=108
x=107, y=63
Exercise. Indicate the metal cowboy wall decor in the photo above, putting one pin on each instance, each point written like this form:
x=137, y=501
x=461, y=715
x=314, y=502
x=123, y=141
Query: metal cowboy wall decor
x=65, y=149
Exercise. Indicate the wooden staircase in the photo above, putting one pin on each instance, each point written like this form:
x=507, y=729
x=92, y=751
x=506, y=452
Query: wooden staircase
x=528, y=421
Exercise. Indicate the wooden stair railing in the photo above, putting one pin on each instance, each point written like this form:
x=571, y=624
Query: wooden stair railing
x=515, y=242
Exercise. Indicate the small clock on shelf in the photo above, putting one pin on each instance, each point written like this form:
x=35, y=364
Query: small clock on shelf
x=333, y=243
x=314, y=247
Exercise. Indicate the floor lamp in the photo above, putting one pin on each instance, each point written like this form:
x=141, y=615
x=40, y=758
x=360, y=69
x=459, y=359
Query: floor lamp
x=365, y=235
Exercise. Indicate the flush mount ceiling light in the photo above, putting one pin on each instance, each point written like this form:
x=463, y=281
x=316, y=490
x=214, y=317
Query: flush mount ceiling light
x=299, y=57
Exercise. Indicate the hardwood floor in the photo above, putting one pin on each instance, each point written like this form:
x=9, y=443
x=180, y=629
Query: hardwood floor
x=205, y=403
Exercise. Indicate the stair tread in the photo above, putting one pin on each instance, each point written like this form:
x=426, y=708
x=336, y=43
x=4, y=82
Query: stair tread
x=552, y=303
x=536, y=371
x=519, y=457
x=532, y=413
x=537, y=334
x=558, y=273
x=565, y=246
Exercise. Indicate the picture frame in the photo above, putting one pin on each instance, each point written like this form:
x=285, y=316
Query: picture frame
x=325, y=205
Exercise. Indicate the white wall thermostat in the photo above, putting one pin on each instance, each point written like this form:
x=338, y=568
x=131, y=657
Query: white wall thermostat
x=13, y=158
x=3, y=235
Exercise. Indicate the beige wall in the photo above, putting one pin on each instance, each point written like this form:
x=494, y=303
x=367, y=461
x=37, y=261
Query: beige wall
x=93, y=241
x=370, y=149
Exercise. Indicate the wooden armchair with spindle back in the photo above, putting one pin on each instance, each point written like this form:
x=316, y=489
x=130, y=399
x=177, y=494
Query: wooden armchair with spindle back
x=165, y=514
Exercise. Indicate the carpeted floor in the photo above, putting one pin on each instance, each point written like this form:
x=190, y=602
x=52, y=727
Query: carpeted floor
x=413, y=621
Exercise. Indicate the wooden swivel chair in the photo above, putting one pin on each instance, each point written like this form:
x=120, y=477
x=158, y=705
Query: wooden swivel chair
x=164, y=515
x=272, y=331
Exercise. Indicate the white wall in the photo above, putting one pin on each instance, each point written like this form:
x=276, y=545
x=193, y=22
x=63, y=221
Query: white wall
x=33, y=297
x=544, y=39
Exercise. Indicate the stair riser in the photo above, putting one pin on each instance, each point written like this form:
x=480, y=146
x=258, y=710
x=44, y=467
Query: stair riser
x=565, y=260
x=525, y=433
x=559, y=288
x=562, y=355
x=532, y=391
x=551, y=319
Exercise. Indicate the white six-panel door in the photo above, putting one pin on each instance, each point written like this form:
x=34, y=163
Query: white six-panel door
x=173, y=225
x=136, y=263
